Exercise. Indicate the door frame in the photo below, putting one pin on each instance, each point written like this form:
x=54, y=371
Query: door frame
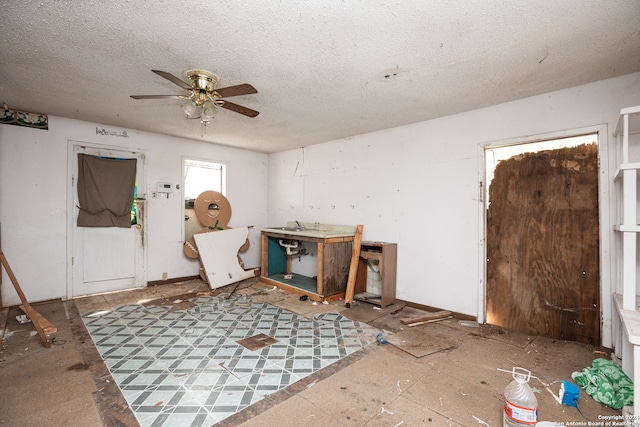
x=604, y=207
x=141, y=256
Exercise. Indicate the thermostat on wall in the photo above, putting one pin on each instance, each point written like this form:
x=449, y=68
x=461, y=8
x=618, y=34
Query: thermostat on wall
x=165, y=187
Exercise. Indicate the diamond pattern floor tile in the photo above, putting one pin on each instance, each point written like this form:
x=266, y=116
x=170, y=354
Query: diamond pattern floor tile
x=186, y=367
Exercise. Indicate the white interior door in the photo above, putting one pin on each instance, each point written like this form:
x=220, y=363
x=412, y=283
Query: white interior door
x=105, y=259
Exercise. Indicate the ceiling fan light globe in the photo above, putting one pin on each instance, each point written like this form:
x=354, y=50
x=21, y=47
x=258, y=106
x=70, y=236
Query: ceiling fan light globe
x=209, y=110
x=191, y=110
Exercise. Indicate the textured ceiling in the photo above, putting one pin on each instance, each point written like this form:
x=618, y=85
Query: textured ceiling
x=324, y=70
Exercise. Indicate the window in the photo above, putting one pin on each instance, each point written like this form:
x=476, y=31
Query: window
x=106, y=191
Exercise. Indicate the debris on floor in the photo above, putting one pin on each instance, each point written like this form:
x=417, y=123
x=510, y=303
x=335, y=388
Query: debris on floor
x=178, y=302
x=469, y=323
x=419, y=343
x=426, y=318
x=243, y=301
x=22, y=318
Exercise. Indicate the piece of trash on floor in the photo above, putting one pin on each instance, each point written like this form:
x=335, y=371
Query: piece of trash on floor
x=22, y=318
x=384, y=411
x=569, y=394
x=375, y=307
x=479, y=421
x=304, y=298
x=398, y=385
x=243, y=301
x=468, y=323
x=325, y=302
x=288, y=276
x=178, y=301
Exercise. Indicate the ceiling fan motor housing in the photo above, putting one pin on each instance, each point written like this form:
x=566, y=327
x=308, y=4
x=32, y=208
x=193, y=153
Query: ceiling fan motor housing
x=202, y=80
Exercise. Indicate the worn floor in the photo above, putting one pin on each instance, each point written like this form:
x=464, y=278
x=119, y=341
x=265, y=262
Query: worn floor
x=446, y=373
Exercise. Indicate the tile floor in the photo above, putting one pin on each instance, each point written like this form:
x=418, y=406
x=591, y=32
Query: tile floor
x=189, y=367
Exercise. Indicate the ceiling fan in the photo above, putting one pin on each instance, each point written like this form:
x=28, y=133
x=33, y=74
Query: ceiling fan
x=203, y=98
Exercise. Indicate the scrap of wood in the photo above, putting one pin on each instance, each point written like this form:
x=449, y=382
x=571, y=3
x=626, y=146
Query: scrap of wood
x=353, y=268
x=438, y=315
x=36, y=318
x=397, y=310
x=233, y=289
x=428, y=321
x=47, y=326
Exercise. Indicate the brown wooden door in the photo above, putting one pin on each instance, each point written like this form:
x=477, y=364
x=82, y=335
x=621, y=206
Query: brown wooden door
x=543, y=245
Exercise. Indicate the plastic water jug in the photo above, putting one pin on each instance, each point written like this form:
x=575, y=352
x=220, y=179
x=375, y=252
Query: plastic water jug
x=520, y=404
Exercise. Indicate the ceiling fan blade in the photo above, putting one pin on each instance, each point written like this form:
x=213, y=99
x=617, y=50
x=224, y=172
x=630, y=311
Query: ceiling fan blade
x=243, y=89
x=239, y=109
x=173, y=79
x=156, y=96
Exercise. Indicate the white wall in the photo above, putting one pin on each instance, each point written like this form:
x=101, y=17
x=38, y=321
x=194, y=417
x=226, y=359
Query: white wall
x=34, y=206
x=418, y=185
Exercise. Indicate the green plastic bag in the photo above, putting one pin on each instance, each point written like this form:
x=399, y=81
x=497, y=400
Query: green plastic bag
x=606, y=383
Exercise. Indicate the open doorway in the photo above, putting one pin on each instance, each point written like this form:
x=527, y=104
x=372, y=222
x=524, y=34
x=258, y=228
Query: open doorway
x=542, y=238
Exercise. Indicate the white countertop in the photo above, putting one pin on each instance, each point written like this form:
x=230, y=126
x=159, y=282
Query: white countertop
x=313, y=230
